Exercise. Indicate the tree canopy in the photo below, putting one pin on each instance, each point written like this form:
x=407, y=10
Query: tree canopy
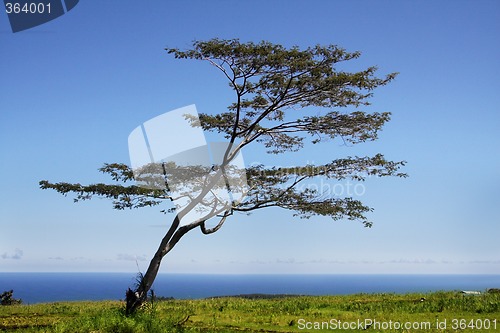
x=283, y=98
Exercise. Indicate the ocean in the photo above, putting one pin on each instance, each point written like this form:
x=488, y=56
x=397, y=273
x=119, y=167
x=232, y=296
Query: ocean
x=53, y=287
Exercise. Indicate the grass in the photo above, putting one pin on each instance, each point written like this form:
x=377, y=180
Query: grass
x=283, y=314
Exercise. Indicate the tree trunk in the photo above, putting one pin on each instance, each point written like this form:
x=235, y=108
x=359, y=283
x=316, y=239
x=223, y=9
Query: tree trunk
x=134, y=299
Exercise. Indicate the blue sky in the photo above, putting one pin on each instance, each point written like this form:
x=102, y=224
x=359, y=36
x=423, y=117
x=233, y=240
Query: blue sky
x=74, y=88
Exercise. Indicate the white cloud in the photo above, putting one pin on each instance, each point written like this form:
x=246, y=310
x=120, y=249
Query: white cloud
x=494, y=262
x=18, y=254
x=410, y=261
x=404, y=261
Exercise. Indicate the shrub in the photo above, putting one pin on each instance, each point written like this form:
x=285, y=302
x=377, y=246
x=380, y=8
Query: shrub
x=7, y=299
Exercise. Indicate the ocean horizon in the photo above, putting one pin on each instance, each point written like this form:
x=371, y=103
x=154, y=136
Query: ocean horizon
x=53, y=287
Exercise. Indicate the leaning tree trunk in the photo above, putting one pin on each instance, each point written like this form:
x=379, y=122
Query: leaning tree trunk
x=134, y=299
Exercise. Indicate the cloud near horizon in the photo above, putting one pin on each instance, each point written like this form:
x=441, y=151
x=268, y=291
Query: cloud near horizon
x=18, y=254
x=405, y=261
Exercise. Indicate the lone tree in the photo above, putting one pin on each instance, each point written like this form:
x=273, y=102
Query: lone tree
x=284, y=97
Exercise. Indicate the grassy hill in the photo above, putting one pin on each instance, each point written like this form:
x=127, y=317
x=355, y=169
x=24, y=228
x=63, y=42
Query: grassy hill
x=451, y=311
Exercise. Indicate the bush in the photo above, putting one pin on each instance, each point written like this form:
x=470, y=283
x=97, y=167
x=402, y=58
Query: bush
x=7, y=299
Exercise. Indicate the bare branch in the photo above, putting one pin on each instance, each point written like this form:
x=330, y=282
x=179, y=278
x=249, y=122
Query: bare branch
x=206, y=231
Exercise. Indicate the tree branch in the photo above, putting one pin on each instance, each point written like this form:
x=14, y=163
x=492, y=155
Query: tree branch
x=206, y=231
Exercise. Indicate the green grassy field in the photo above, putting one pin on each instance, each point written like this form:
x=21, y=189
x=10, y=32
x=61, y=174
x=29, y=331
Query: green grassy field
x=452, y=311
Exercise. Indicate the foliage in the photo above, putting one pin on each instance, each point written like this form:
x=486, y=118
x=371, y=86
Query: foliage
x=283, y=98
x=7, y=298
x=231, y=314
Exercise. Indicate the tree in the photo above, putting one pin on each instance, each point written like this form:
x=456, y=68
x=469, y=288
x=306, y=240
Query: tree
x=284, y=97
